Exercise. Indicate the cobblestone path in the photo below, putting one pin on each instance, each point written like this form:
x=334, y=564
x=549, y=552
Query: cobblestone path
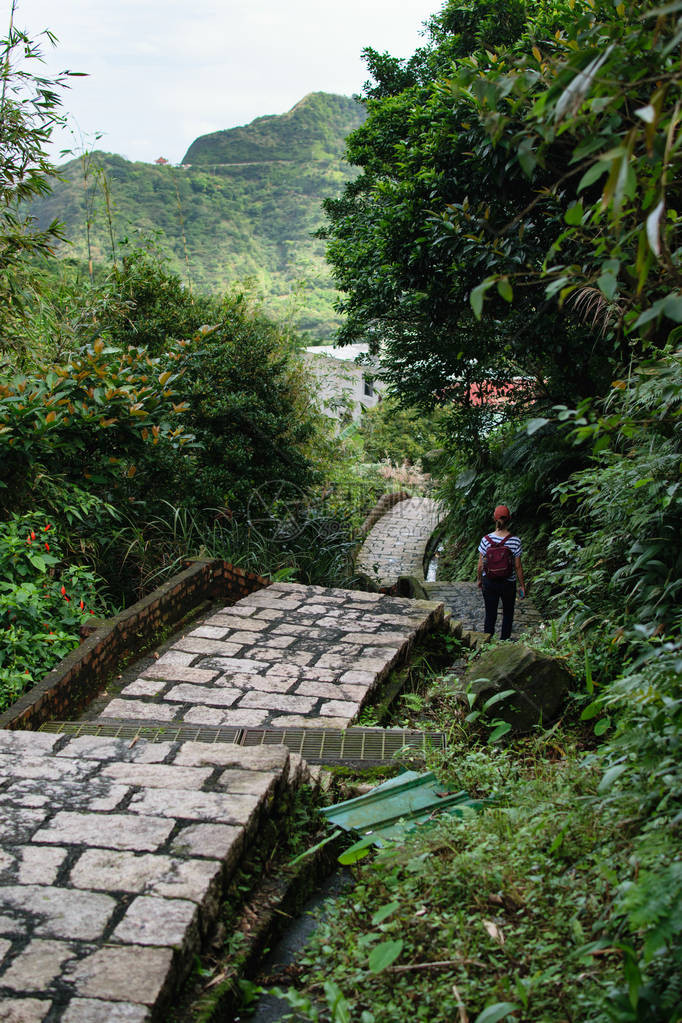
x=285, y=656
x=397, y=543
x=115, y=854
x=114, y=857
x=463, y=601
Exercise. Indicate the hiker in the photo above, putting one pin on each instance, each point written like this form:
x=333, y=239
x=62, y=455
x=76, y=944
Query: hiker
x=499, y=566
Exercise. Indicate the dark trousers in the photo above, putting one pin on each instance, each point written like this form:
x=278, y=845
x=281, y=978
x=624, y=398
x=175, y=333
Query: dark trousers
x=493, y=591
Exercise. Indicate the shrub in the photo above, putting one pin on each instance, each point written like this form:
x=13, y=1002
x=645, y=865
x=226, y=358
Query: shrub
x=43, y=601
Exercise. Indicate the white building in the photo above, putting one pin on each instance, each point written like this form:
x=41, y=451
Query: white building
x=345, y=385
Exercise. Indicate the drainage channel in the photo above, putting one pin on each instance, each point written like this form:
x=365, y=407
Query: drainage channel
x=316, y=745
x=286, y=952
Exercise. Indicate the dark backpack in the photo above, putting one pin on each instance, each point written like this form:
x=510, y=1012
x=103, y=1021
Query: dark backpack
x=498, y=560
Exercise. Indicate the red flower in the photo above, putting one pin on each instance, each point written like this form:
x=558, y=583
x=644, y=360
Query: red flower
x=82, y=606
x=29, y=540
x=63, y=591
x=47, y=546
x=33, y=536
x=67, y=599
x=48, y=526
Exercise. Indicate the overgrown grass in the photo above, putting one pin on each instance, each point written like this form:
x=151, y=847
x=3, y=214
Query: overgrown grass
x=504, y=914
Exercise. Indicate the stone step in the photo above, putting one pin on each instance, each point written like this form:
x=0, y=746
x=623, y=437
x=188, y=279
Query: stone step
x=115, y=855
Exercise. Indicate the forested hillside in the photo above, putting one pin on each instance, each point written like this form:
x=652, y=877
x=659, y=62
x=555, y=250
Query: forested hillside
x=244, y=205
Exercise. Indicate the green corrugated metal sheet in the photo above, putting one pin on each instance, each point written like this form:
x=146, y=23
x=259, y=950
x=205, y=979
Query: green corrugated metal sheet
x=398, y=806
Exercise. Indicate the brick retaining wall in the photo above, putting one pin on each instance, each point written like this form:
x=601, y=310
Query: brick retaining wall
x=384, y=504
x=79, y=676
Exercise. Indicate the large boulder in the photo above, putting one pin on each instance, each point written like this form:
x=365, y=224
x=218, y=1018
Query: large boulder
x=539, y=683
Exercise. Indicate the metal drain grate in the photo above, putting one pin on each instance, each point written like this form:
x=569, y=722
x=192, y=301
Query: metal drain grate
x=316, y=745
x=319, y=745
x=152, y=731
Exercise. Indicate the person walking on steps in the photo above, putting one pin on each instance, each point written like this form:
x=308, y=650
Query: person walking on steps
x=499, y=567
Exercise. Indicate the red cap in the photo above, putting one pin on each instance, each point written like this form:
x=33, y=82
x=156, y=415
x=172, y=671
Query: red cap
x=501, y=512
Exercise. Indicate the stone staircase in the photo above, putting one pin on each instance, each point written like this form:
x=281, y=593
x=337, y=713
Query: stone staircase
x=117, y=852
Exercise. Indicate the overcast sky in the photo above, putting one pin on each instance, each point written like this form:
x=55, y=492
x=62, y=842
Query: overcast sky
x=162, y=72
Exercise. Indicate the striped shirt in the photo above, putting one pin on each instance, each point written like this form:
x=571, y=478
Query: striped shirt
x=513, y=544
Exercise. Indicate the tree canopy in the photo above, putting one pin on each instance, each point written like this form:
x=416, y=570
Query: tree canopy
x=516, y=212
x=30, y=108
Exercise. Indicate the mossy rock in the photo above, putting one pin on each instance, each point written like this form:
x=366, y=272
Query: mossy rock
x=539, y=683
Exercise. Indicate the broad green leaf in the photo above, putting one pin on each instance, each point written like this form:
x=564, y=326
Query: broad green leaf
x=505, y=289
x=384, y=912
x=384, y=954
x=38, y=562
x=533, y=425
x=498, y=698
x=338, y=1005
x=610, y=776
x=465, y=478
x=593, y=174
x=591, y=710
x=500, y=730
x=672, y=308
x=574, y=214
x=496, y=1012
x=356, y=851
x=478, y=294
x=602, y=726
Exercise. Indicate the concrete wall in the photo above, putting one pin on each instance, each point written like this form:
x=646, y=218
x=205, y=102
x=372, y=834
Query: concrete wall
x=344, y=387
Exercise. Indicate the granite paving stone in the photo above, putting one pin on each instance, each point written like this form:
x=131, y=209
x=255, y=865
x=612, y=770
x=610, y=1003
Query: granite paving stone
x=196, y=645
x=158, y=776
x=226, y=808
x=144, y=687
x=37, y=965
x=113, y=831
x=339, y=708
x=179, y=673
x=193, y=695
x=153, y=921
x=176, y=877
x=215, y=718
x=224, y=842
x=26, y=1010
x=200, y=754
x=299, y=721
x=99, y=747
x=39, y=864
x=136, y=710
x=56, y=912
x=94, y=1010
x=130, y=973
x=278, y=701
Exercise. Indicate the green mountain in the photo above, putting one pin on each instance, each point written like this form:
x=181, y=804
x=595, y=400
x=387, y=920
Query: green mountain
x=242, y=206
